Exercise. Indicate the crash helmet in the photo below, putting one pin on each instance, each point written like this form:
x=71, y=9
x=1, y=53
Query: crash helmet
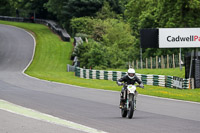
x=131, y=73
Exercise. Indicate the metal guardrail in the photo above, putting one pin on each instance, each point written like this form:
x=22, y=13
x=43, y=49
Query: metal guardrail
x=70, y=68
x=51, y=24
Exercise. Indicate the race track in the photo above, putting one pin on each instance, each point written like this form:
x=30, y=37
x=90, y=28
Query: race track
x=90, y=107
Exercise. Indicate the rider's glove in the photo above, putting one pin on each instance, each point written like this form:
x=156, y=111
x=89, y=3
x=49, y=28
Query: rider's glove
x=119, y=83
x=141, y=85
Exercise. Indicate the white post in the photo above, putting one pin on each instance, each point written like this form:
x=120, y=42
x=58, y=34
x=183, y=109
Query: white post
x=180, y=62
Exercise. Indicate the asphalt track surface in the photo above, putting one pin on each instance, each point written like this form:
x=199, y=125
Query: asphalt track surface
x=90, y=107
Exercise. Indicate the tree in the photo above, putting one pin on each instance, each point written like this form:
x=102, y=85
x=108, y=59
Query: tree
x=91, y=55
x=29, y=7
x=161, y=14
x=82, y=25
x=65, y=10
x=56, y=7
x=81, y=8
x=106, y=12
x=119, y=33
x=7, y=8
x=113, y=47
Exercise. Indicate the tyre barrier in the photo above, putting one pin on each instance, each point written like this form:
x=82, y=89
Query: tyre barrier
x=51, y=24
x=155, y=80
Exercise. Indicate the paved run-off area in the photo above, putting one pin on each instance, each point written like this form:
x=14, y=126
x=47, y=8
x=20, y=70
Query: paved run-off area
x=12, y=123
x=97, y=109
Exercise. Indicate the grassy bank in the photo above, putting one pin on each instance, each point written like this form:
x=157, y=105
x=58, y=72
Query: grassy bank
x=52, y=55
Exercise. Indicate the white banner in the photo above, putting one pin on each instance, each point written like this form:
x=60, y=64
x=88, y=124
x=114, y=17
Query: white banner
x=179, y=37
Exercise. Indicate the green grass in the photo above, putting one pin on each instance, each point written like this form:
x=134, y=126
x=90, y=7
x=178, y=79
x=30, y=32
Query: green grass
x=52, y=55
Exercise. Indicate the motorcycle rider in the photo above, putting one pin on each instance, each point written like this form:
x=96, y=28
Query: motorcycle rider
x=130, y=78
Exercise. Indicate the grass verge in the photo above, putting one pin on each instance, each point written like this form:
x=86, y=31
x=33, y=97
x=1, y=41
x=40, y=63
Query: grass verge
x=52, y=55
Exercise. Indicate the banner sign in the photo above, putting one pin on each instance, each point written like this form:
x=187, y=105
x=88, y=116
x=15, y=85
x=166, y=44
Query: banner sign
x=179, y=37
x=177, y=82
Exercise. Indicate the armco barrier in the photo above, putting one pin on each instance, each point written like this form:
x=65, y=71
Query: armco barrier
x=51, y=24
x=156, y=80
x=16, y=19
x=70, y=68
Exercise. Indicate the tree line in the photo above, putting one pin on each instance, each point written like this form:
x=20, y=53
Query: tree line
x=111, y=26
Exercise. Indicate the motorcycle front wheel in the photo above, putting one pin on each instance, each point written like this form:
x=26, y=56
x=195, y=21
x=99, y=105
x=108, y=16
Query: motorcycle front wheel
x=131, y=109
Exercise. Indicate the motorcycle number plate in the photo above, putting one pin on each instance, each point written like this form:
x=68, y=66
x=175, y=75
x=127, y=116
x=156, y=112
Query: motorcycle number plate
x=131, y=88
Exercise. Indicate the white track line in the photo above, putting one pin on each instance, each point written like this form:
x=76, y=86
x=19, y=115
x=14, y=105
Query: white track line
x=163, y=98
x=32, y=54
x=19, y=110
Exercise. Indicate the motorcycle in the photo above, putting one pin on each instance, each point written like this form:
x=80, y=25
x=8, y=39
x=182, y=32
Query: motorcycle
x=129, y=100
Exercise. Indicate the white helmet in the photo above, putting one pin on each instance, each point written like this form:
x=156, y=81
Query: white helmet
x=131, y=73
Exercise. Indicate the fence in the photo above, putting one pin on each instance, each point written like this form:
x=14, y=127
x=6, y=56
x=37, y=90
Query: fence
x=51, y=24
x=156, y=80
x=70, y=68
x=168, y=61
